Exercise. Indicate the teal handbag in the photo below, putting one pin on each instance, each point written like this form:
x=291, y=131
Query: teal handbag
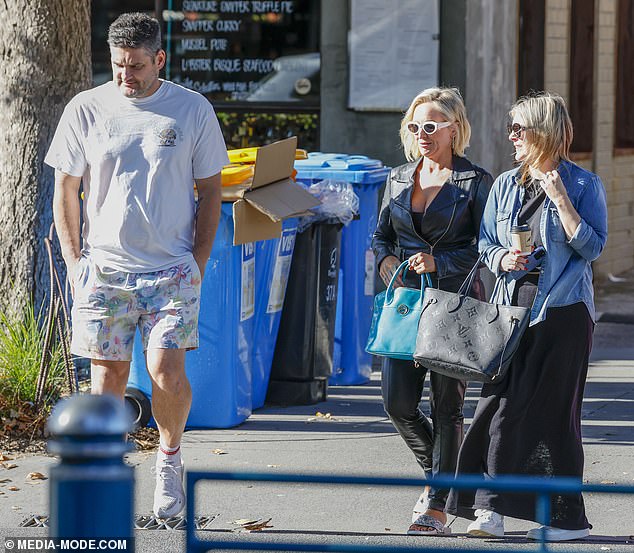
x=395, y=318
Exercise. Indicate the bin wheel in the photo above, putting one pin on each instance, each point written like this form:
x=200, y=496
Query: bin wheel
x=139, y=407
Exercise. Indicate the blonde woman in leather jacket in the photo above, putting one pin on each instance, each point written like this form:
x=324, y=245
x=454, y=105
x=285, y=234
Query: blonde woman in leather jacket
x=430, y=215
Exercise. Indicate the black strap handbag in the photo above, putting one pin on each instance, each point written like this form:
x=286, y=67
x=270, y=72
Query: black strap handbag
x=466, y=338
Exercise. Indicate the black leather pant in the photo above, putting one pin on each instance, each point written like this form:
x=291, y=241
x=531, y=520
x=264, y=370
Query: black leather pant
x=435, y=444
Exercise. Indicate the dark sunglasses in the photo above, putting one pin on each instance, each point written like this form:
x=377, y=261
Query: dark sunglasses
x=430, y=127
x=515, y=129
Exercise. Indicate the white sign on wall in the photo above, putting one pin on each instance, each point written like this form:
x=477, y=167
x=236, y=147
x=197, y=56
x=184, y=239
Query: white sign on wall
x=393, y=46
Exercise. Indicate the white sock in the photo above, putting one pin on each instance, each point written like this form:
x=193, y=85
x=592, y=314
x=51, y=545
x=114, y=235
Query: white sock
x=168, y=454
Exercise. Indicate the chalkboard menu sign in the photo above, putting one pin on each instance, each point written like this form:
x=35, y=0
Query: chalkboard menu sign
x=248, y=53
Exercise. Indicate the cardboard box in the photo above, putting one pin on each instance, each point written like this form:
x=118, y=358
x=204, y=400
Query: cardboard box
x=272, y=196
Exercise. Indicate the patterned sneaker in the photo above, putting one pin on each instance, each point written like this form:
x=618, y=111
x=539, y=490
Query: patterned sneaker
x=169, y=496
x=488, y=524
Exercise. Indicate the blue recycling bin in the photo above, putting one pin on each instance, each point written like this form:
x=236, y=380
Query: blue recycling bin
x=351, y=364
x=219, y=371
x=272, y=268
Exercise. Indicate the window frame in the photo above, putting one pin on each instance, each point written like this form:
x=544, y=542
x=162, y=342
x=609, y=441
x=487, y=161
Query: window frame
x=620, y=78
x=581, y=106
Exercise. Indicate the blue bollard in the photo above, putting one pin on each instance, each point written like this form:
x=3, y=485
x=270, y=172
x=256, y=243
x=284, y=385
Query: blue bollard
x=91, y=490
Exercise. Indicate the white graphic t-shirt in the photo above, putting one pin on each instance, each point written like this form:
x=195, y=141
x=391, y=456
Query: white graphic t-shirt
x=138, y=159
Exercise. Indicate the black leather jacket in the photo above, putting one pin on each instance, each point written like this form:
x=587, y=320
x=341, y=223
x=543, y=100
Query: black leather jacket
x=456, y=211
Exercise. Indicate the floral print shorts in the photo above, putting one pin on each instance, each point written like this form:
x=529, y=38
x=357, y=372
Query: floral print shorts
x=109, y=305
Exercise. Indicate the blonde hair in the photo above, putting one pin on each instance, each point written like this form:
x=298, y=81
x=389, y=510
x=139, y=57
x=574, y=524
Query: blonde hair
x=548, y=129
x=447, y=101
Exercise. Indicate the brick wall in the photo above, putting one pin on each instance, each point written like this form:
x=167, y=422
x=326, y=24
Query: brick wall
x=556, y=47
x=616, y=171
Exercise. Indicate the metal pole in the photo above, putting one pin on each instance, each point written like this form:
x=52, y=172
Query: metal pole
x=91, y=490
x=543, y=517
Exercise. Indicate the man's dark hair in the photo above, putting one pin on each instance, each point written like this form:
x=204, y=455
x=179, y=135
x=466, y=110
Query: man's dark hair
x=135, y=30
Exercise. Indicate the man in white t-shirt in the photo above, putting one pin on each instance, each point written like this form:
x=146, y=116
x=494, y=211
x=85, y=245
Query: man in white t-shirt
x=139, y=144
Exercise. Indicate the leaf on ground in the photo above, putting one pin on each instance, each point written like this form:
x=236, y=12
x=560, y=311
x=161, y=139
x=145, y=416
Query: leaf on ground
x=258, y=526
x=9, y=466
x=5, y=480
x=252, y=525
x=36, y=476
x=319, y=416
x=243, y=521
x=16, y=507
x=4, y=457
x=219, y=452
x=272, y=466
x=13, y=488
x=608, y=482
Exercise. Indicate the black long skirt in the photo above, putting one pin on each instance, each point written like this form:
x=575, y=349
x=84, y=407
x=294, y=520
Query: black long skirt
x=530, y=423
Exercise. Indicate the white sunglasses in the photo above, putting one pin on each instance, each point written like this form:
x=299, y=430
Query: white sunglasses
x=430, y=127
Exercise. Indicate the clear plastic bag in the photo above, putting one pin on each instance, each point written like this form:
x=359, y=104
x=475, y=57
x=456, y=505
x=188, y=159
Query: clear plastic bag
x=339, y=203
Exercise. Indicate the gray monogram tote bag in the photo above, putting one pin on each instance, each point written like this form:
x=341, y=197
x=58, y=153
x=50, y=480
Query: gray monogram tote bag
x=465, y=338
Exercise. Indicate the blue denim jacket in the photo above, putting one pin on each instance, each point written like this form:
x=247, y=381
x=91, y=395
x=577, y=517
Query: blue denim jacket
x=565, y=273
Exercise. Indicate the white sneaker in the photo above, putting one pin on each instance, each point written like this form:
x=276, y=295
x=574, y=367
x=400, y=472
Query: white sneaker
x=488, y=524
x=421, y=505
x=169, y=496
x=556, y=534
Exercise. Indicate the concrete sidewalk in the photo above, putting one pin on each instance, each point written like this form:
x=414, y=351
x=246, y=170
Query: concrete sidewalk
x=614, y=335
x=357, y=439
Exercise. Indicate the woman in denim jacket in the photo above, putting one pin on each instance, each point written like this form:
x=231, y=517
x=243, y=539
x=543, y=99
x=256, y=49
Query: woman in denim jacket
x=430, y=215
x=530, y=422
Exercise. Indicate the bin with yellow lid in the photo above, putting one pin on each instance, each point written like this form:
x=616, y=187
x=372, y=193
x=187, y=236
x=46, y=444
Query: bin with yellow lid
x=236, y=174
x=248, y=155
